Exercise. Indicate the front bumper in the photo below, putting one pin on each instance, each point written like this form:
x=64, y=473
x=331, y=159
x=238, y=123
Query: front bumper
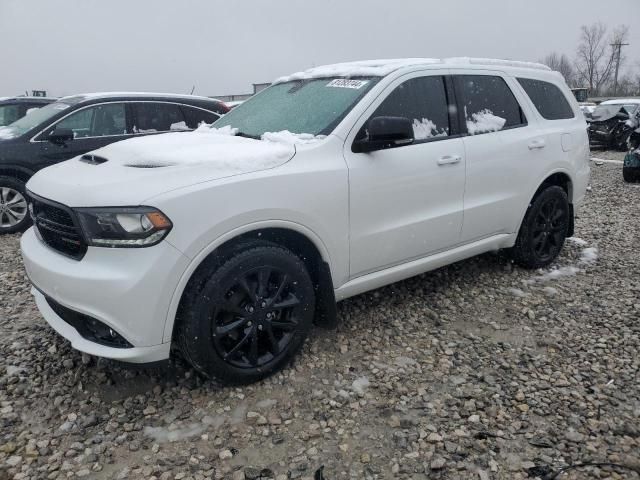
x=129, y=290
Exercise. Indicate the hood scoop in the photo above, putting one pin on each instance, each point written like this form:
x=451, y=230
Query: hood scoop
x=93, y=159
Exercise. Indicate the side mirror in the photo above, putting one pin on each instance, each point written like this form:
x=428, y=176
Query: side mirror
x=60, y=136
x=385, y=132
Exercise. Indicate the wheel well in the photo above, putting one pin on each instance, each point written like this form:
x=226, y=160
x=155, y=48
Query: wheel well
x=21, y=175
x=563, y=181
x=559, y=179
x=298, y=244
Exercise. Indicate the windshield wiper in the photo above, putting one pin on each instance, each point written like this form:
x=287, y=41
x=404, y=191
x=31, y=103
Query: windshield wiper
x=247, y=135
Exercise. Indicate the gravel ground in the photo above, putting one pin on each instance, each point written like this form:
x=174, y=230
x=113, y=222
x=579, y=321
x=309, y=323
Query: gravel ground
x=479, y=370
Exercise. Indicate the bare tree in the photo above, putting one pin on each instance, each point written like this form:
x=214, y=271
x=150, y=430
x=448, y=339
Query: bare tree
x=561, y=63
x=595, y=61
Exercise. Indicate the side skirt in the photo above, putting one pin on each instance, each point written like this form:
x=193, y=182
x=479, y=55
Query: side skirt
x=400, y=272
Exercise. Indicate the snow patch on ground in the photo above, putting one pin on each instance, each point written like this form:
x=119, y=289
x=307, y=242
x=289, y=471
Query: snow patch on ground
x=516, y=292
x=484, y=121
x=404, y=361
x=267, y=403
x=161, y=435
x=550, y=291
x=577, y=241
x=360, y=384
x=12, y=370
x=589, y=255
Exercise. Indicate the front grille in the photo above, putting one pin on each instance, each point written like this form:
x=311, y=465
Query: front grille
x=58, y=227
x=88, y=327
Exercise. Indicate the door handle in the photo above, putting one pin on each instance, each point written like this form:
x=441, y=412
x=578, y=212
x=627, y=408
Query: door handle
x=449, y=159
x=537, y=144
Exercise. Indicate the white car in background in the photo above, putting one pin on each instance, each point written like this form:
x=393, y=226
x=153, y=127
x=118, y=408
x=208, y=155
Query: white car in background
x=230, y=241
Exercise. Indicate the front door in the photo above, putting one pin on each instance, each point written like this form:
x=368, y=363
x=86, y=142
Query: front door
x=93, y=127
x=406, y=202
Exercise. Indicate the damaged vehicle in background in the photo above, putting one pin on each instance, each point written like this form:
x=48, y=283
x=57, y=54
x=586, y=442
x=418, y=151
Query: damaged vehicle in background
x=75, y=125
x=229, y=242
x=611, y=123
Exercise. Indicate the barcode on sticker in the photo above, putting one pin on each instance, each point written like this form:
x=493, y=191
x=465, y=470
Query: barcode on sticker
x=346, y=83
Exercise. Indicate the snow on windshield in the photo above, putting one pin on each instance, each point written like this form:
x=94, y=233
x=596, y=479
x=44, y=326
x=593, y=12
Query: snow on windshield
x=483, y=121
x=7, y=133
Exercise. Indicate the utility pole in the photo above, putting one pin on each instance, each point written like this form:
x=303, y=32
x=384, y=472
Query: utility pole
x=618, y=47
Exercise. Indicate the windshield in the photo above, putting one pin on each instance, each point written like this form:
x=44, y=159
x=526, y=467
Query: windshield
x=9, y=114
x=36, y=117
x=313, y=106
x=604, y=112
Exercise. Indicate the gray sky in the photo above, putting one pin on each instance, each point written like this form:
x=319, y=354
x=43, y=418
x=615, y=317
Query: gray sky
x=74, y=46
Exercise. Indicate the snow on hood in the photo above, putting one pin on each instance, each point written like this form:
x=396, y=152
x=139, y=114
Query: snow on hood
x=140, y=168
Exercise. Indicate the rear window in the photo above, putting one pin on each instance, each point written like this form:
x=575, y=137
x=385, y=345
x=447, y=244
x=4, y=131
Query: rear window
x=489, y=105
x=547, y=98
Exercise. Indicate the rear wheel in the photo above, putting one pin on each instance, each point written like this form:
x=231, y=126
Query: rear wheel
x=14, y=212
x=543, y=230
x=249, y=317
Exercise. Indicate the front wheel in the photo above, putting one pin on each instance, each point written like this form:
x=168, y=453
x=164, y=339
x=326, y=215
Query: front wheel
x=543, y=229
x=249, y=317
x=14, y=213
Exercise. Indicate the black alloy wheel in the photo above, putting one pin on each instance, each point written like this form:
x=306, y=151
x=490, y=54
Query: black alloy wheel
x=249, y=317
x=543, y=229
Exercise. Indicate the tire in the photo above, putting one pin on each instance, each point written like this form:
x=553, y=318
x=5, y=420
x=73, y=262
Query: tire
x=14, y=214
x=631, y=175
x=250, y=317
x=543, y=230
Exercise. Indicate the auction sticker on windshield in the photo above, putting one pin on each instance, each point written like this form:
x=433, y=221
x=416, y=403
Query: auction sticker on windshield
x=345, y=83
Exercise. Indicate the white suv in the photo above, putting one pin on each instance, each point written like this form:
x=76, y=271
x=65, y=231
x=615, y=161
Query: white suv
x=230, y=241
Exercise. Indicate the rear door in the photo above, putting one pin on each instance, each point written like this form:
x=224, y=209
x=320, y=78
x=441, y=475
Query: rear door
x=157, y=117
x=406, y=202
x=501, y=146
x=93, y=127
x=195, y=116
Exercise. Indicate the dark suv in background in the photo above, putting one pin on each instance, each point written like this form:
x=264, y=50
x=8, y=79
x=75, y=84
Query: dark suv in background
x=75, y=125
x=14, y=108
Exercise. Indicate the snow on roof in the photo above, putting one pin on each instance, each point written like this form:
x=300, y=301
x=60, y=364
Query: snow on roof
x=621, y=101
x=380, y=68
x=88, y=96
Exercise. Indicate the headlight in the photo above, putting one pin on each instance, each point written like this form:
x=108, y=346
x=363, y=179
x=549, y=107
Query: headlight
x=123, y=226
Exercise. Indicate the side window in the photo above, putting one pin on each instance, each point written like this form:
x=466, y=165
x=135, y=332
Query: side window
x=423, y=100
x=488, y=104
x=547, y=98
x=98, y=121
x=195, y=116
x=157, y=117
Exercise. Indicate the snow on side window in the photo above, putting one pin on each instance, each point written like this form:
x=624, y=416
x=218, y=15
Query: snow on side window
x=425, y=128
x=483, y=121
x=179, y=126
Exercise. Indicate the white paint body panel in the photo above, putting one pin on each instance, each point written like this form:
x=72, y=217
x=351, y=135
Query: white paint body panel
x=375, y=218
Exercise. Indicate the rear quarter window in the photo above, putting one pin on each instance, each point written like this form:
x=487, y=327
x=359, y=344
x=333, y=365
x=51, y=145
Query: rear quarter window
x=547, y=98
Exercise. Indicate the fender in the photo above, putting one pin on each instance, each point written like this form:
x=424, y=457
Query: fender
x=10, y=168
x=537, y=186
x=230, y=235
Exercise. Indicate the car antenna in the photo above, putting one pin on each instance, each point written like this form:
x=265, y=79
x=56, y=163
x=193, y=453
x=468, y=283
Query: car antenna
x=192, y=89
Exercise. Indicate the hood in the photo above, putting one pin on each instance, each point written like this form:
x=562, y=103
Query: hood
x=131, y=171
